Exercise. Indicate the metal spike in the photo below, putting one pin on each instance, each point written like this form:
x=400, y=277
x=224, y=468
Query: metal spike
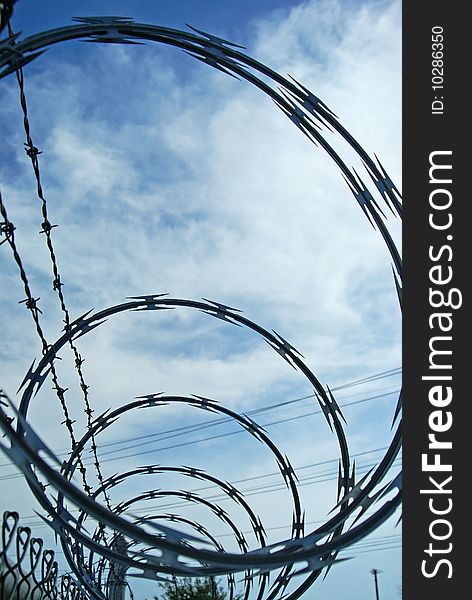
x=233, y=492
x=340, y=480
x=205, y=403
x=222, y=307
x=351, y=495
x=53, y=523
x=213, y=62
x=221, y=316
x=106, y=20
x=308, y=106
x=79, y=320
x=397, y=285
x=291, y=469
x=28, y=376
x=367, y=195
x=306, y=129
x=152, y=307
x=286, y=345
x=398, y=409
x=149, y=298
x=382, y=187
x=193, y=472
x=86, y=328
x=15, y=454
x=253, y=428
x=40, y=380
x=20, y=62
x=325, y=408
x=334, y=404
x=173, y=535
x=298, y=525
x=352, y=479
x=282, y=353
x=215, y=39
x=241, y=541
x=396, y=483
x=366, y=503
x=155, y=396
x=316, y=564
x=392, y=190
x=68, y=517
x=314, y=100
x=112, y=37
x=7, y=45
x=101, y=419
x=259, y=528
x=361, y=200
x=219, y=512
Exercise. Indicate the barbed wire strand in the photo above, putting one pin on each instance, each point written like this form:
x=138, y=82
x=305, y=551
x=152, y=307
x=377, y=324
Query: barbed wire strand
x=191, y=429
x=46, y=227
x=8, y=229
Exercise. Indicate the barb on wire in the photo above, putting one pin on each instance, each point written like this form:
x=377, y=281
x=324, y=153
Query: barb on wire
x=46, y=228
x=31, y=304
x=166, y=551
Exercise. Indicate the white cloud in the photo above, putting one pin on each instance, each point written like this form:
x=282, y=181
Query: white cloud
x=199, y=186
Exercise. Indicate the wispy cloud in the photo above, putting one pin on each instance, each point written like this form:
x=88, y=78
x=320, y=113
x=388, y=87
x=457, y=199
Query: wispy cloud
x=168, y=177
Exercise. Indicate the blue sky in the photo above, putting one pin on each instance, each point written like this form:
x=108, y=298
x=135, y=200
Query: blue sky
x=167, y=176
x=219, y=17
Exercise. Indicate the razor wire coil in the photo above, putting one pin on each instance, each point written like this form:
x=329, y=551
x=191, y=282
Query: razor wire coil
x=169, y=552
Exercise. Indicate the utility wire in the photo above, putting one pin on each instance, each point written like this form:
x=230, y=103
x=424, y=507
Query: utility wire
x=214, y=422
x=209, y=438
x=276, y=487
x=376, y=377
x=255, y=491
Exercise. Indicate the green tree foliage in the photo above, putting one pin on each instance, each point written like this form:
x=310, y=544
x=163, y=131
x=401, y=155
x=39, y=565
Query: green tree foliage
x=192, y=589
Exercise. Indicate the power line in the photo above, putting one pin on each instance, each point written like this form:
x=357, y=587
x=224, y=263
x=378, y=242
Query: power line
x=377, y=376
x=278, y=422
x=256, y=491
x=211, y=423
x=210, y=438
x=261, y=490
